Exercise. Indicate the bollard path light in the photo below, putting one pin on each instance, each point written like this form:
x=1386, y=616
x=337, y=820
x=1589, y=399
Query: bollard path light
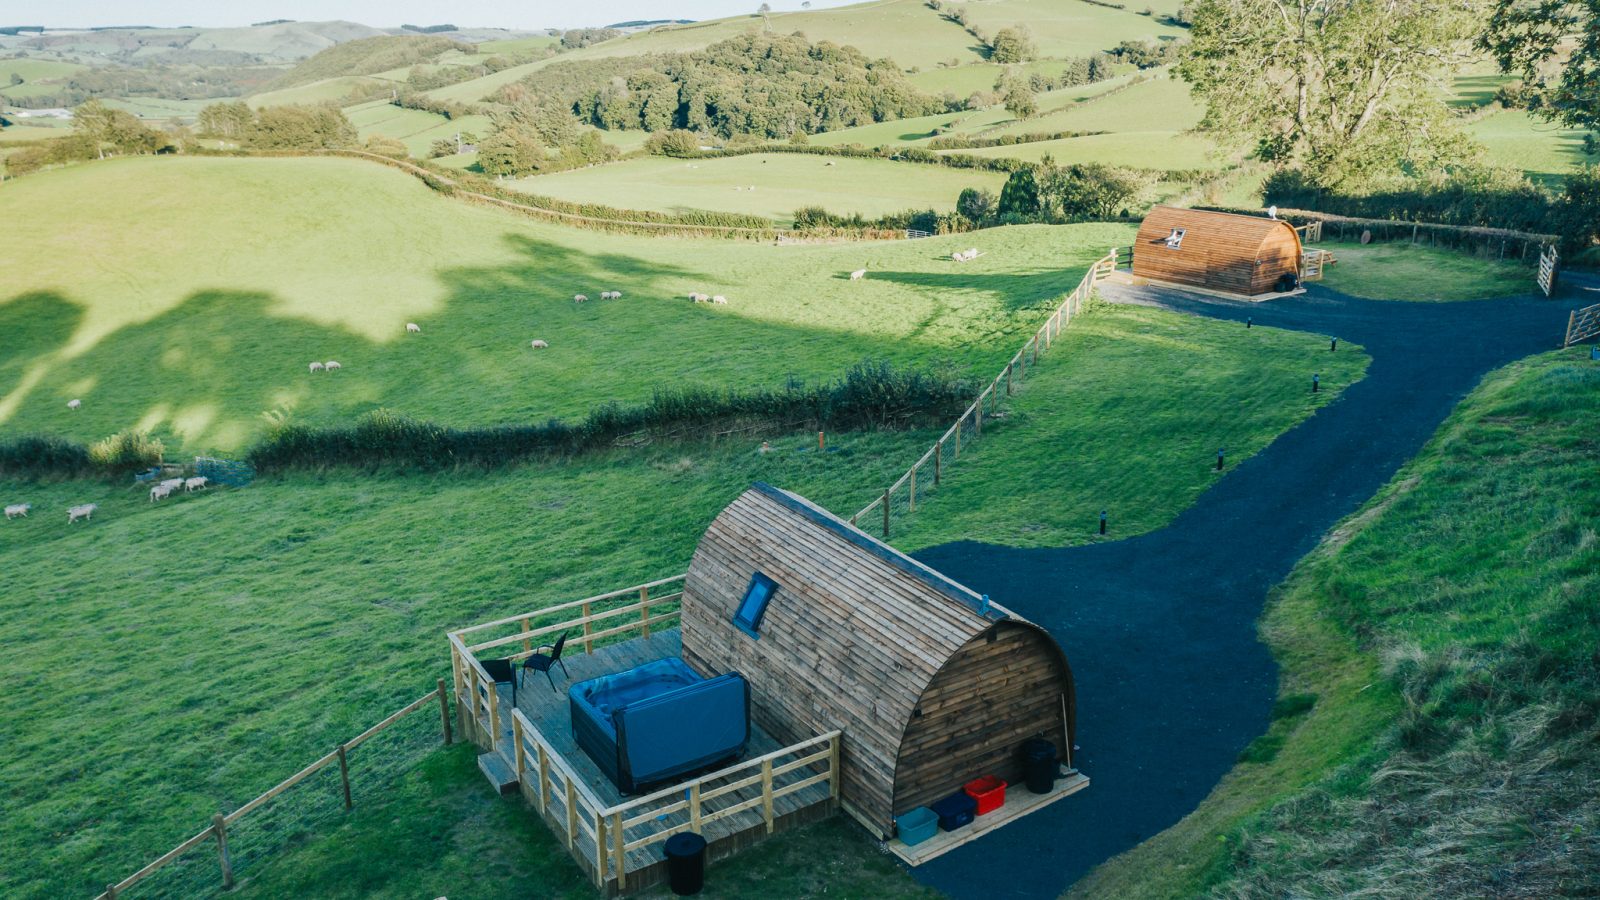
x=1220, y=451
x=1249, y=321
x=1333, y=344
x=1316, y=383
x=1102, y=521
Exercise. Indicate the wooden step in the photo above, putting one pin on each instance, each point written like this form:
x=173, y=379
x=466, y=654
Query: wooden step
x=499, y=772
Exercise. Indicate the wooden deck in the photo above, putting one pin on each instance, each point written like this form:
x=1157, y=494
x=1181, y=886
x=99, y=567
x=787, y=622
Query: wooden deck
x=725, y=827
x=1019, y=802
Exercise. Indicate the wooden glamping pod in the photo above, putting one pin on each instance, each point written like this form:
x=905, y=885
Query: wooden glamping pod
x=1226, y=252
x=931, y=684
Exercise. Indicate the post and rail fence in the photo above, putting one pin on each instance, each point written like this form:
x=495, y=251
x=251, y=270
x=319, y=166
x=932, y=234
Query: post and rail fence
x=221, y=828
x=927, y=473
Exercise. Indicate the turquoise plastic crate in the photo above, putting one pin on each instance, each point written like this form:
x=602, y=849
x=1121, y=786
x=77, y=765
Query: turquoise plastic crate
x=917, y=825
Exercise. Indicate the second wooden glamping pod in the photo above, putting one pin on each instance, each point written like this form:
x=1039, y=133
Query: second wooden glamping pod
x=1219, y=251
x=931, y=684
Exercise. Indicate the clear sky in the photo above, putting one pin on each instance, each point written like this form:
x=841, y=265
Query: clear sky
x=381, y=13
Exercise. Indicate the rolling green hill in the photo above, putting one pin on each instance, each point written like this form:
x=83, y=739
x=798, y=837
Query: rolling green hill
x=366, y=56
x=193, y=317
x=773, y=185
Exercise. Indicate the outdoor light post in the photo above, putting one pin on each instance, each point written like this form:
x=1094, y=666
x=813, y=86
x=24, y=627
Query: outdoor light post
x=1102, y=521
x=1333, y=344
x=1316, y=383
x=1249, y=321
x=1220, y=451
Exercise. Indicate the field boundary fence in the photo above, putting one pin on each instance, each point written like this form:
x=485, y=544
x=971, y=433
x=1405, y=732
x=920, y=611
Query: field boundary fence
x=283, y=817
x=927, y=473
x=1497, y=243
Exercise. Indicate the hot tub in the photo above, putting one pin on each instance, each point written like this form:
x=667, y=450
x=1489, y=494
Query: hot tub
x=658, y=721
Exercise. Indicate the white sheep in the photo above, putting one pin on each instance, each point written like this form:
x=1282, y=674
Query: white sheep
x=18, y=509
x=160, y=492
x=332, y=365
x=858, y=274
x=315, y=367
x=579, y=298
x=719, y=299
x=172, y=484
x=197, y=483
x=616, y=295
x=541, y=345
x=74, y=403
x=413, y=328
x=700, y=298
x=828, y=163
x=84, y=511
x=972, y=253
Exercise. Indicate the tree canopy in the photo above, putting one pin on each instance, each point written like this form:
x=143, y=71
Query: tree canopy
x=1529, y=37
x=1347, y=88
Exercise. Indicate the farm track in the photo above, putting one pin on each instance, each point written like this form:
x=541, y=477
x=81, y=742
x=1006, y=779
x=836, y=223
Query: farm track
x=1172, y=678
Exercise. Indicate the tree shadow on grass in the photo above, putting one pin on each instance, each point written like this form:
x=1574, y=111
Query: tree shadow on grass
x=201, y=375
x=33, y=327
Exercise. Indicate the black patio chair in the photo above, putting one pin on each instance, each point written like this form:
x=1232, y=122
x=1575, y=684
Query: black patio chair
x=541, y=663
x=503, y=671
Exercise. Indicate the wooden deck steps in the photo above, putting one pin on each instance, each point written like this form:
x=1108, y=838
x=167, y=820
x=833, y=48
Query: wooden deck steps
x=500, y=774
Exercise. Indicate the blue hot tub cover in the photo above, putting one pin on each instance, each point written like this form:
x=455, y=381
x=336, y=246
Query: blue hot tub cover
x=659, y=720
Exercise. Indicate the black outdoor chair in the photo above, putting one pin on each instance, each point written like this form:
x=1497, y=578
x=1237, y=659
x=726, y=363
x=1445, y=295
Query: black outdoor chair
x=541, y=663
x=503, y=671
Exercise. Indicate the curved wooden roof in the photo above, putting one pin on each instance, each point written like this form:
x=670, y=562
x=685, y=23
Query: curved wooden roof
x=1227, y=251
x=851, y=639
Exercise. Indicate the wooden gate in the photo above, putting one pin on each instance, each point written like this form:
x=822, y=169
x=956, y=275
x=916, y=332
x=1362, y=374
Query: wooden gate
x=1549, y=263
x=1582, y=325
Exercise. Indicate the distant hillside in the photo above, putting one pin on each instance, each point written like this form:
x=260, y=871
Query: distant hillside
x=366, y=56
x=278, y=43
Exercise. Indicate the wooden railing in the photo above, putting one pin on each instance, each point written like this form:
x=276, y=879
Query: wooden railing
x=1311, y=232
x=220, y=823
x=1549, y=265
x=1314, y=264
x=969, y=426
x=601, y=619
x=576, y=813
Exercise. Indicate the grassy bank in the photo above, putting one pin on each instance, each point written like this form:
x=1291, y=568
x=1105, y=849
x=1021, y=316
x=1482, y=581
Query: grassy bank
x=1443, y=639
x=1402, y=271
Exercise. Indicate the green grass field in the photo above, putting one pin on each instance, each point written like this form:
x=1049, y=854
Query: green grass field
x=1543, y=151
x=415, y=128
x=306, y=582
x=783, y=182
x=193, y=318
x=1402, y=271
x=1448, y=642
x=182, y=111
x=1159, y=150
x=329, y=90
x=1076, y=29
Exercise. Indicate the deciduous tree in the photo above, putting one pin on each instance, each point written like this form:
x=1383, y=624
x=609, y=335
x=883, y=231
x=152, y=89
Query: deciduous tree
x=1530, y=36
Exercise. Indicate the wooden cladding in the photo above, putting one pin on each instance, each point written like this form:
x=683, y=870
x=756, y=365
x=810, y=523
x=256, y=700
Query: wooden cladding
x=857, y=637
x=1219, y=251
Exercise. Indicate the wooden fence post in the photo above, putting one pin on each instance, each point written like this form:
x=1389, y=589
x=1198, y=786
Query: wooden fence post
x=913, y=486
x=938, y=452
x=766, y=793
x=620, y=849
x=886, y=513
x=601, y=851
x=444, y=713
x=694, y=807
x=588, y=645
x=1008, y=378
x=344, y=777
x=111, y=891
x=833, y=771
x=219, y=825
x=544, y=777
x=572, y=811
x=527, y=645
x=516, y=746
x=958, y=437
x=644, y=609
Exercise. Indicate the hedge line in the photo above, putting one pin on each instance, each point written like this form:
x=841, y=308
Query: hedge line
x=870, y=395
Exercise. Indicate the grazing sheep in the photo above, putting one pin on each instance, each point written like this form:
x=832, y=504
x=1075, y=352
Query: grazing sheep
x=315, y=367
x=160, y=492
x=719, y=299
x=751, y=188
x=197, y=483
x=74, y=403
x=413, y=328
x=700, y=298
x=331, y=365
x=84, y=511
x=616, y=295
x=828, y=163
x=18, y=509
x=172, y=483
x=579, y=298
x=541, y=345
x=858, y=274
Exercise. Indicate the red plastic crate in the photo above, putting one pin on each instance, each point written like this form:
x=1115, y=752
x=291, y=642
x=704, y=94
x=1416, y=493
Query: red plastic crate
x=989, y=791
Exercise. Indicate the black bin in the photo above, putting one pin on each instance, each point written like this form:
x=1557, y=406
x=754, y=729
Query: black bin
x=686, y=863
x=1040, y=764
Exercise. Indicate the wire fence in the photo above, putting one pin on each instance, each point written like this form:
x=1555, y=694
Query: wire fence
x=925, y=476
x=307, y=805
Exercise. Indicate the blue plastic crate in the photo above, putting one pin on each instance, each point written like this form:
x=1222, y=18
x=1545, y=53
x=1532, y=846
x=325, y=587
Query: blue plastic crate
x=917, y=826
